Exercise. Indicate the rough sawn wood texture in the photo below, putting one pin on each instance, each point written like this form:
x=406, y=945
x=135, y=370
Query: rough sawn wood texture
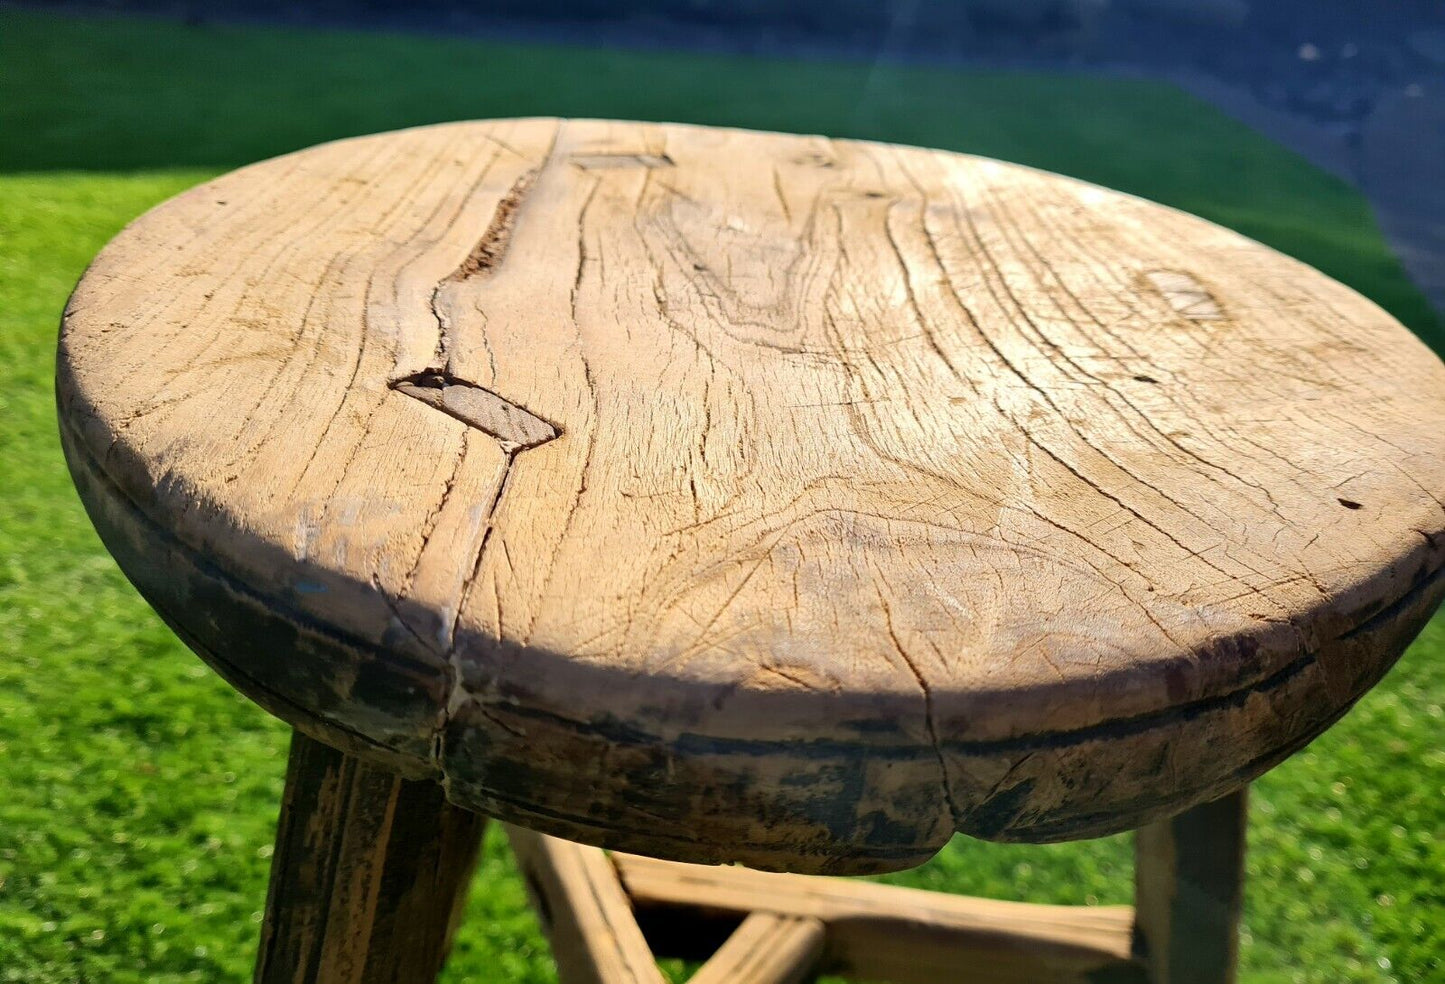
x=720, y=495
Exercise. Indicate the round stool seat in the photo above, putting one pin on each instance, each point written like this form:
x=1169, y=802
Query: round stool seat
x=720, y=495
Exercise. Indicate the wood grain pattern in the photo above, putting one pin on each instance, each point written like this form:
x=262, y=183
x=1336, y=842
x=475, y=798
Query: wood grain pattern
x=766, y=948
x=1189, y=892
x=586, y=915
x=729, y=496
x=904, y=935
x=369, y=877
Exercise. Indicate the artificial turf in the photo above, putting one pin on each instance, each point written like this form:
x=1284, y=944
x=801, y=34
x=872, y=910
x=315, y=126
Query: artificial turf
x=138, y=792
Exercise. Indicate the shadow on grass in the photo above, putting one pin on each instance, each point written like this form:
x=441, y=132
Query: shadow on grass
x=116, y=94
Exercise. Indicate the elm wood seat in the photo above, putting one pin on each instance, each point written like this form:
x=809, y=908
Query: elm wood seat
x=735, y=497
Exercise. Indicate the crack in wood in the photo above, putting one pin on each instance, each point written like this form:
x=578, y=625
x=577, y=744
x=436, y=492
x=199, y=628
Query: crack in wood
x=514, y=427
x=492, y=247
x=484, y=257
x=597, y=162
x=1185, y=294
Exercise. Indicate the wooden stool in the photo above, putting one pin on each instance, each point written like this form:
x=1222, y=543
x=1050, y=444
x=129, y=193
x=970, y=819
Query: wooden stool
x=734, y=497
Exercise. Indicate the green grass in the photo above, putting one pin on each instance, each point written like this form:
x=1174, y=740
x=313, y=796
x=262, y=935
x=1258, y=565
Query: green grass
x=138, y=793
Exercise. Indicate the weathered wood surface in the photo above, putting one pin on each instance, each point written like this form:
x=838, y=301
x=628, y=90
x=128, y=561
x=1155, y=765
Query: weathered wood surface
x=586, y=915
x=1189, y=891
x=766, y=948
x=904, y=935
x=728, y=496
x=369, y=877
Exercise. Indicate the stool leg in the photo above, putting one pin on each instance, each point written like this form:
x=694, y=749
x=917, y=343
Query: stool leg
x=1188, y=888
x=369, y=877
